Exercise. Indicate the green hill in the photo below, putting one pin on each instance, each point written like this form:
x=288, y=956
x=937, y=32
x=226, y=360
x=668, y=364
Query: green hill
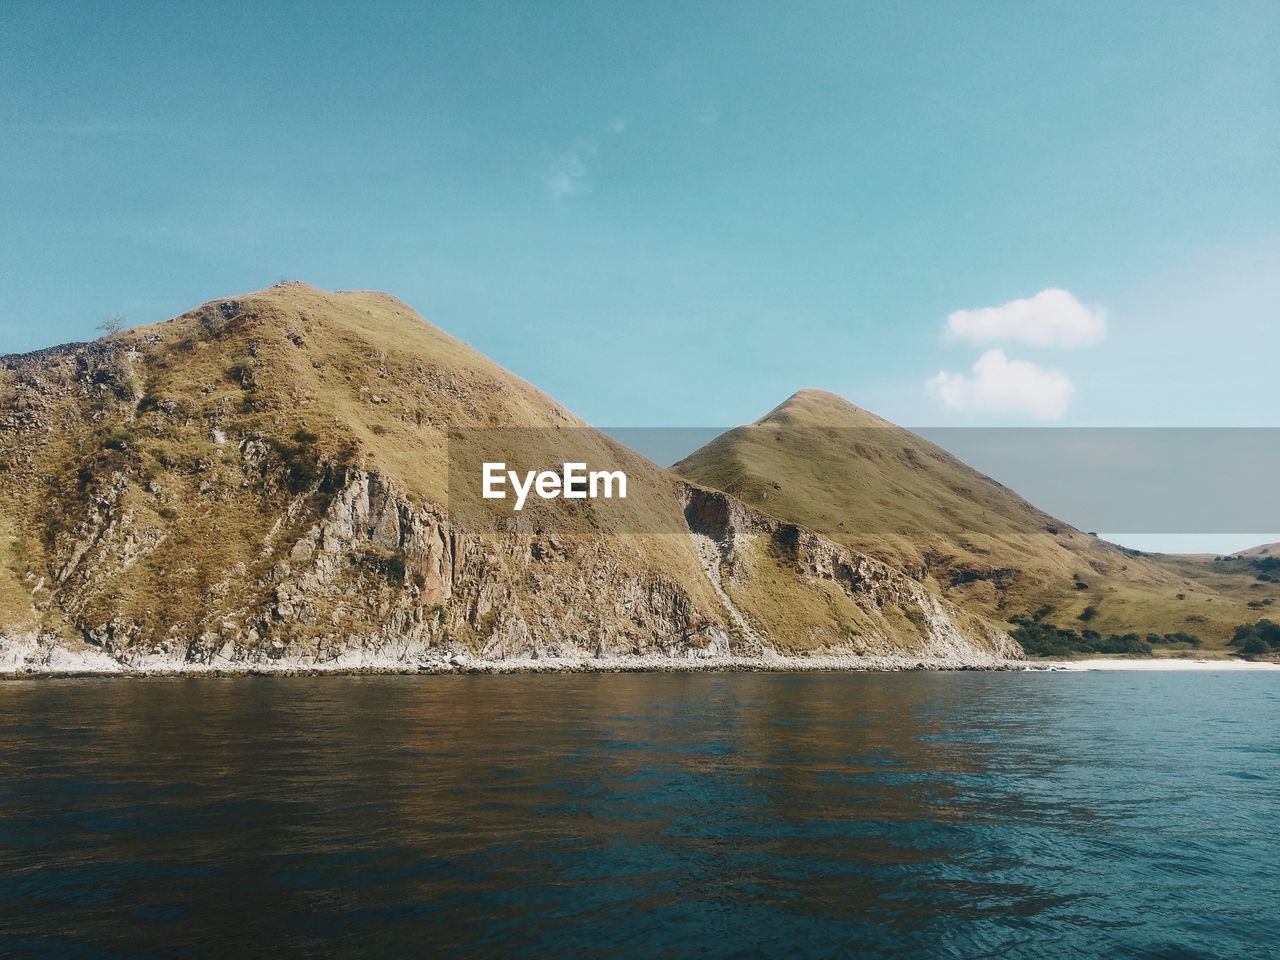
x=822, y=462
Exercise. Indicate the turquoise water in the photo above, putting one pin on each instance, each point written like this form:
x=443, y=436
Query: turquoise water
x=736, y=815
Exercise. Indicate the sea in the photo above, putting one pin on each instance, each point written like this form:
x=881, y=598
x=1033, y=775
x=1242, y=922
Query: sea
x=905, y=815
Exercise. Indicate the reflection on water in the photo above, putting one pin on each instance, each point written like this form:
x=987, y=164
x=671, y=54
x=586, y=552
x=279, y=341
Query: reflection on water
x=928, y=815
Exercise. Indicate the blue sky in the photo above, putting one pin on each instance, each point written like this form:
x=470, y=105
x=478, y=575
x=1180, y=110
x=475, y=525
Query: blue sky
x=674, y=214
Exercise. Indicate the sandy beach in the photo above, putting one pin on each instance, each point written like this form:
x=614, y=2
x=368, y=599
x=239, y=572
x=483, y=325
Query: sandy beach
x=1158, y=663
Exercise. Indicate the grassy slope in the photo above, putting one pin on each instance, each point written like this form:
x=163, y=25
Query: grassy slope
x=16, y=610
x=1262, y=550
x=822, y=462
x=799, y=615
x=1233, y=577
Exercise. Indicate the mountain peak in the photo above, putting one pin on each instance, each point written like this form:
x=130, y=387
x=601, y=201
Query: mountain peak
x=811, y=407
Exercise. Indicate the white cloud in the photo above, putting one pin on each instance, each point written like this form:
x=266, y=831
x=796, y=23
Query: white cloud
x=1001, y=385
x=1052, y=318
x=567, y=171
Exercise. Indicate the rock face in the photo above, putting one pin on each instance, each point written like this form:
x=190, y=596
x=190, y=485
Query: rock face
x=942, y=631
x=262, y=482
x=489, y=595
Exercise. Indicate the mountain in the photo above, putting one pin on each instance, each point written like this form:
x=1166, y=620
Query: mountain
x=876, y=488
x=266, y=480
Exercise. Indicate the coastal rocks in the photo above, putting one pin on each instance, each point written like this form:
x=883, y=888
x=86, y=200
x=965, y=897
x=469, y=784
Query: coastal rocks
x=45, y=653
x=28, y=656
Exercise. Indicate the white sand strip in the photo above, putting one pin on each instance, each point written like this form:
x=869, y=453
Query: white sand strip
x=1161, y=663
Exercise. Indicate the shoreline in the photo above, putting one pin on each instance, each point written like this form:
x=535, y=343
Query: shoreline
x=1150, y=664
x=461, y=665
x=104, y=667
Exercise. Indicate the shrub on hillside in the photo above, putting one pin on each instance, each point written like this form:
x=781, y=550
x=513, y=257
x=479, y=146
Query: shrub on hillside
x=1257, y=639
x=241, y=371
x=1268, y=568
x=1042, y=639
x=118, y=439
x=301, y=461
x=392, y=564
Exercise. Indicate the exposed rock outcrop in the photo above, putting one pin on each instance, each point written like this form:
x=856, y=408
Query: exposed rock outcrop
x=943, y=630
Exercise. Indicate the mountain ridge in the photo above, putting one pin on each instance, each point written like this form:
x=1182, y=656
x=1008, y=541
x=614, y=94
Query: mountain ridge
x=264, y=480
